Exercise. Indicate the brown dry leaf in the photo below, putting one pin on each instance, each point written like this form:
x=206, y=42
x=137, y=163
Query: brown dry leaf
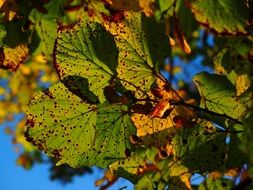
x=9, y=8
x=12, y=58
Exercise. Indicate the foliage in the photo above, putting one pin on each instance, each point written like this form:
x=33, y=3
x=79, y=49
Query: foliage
x=103, y=88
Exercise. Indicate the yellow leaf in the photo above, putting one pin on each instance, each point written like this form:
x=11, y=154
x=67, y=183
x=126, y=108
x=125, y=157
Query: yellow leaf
x=243, y=82
x=13, y=57
x=157, y=128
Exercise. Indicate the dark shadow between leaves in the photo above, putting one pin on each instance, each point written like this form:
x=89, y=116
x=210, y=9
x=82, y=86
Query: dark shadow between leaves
x=80, y=87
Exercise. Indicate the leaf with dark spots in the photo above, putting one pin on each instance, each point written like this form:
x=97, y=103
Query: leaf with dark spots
x=200, y=149
x=113, y=129
x=56, y=120
x=76, y=132
x=143, y=46
x=12, y=58
x=89, y=51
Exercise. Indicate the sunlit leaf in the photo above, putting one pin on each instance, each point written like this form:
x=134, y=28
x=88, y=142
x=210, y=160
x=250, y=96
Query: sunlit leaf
x=217, y=15
x=143, y=47
x=76, y=132
x=88, y=51
x=219, y=95
x=65, y=128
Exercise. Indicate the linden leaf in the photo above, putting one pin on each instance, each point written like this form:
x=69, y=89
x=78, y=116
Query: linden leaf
x=158, y=127
x=113, y=129
x=12, y=58
x=219, y=95
x=153, y=131
x=61, y=124
x=131, y=167
x=217, y=15
x=75, y=132
x=143, y=46
x=200, y=149
x=44, y=19
x=88, y=51
x=238, y=71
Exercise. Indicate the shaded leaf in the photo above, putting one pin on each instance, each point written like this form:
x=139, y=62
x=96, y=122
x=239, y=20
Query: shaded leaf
x=217, y=15
x=2, y=34
x=131, y=167
x=219, y=95
x=219, y=184
x=238, y=71
x=44, y=19
x=200, y=149
x=88, y=51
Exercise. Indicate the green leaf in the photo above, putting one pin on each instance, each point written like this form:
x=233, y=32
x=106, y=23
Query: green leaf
x=44, y=35
x=200, y=149
x=14, y=33
x=86, y=50
x=45, y=27
x=143, y=47
x=112, y=138
x=61, y=124
x=2, y=34
x=219, y=95
x=216, y=184
x=75, y=132
x=131, y=166
x=238, y=71
x=223, y=16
